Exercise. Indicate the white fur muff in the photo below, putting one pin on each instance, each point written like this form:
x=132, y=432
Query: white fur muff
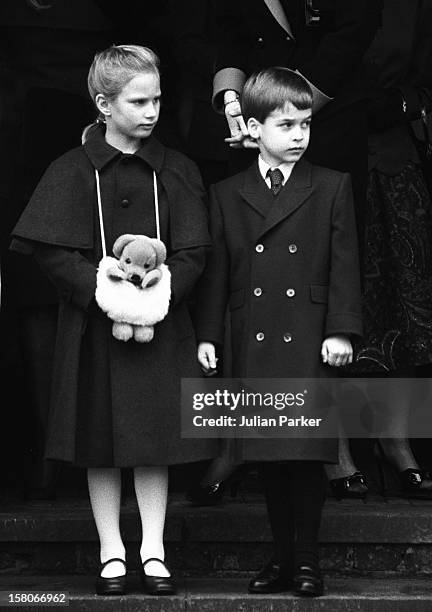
x=134, y=310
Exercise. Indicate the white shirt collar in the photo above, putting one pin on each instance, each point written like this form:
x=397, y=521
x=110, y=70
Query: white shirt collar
x=285, y=168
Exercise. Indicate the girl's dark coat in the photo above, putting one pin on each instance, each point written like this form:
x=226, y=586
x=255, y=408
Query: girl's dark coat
x=117, y=403
x=306, y=241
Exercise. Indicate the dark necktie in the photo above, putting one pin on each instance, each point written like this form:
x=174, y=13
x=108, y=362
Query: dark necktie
x=276, y=180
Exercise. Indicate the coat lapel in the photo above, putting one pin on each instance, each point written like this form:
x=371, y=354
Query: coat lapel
x=275, y=8
x=295, y=192
x=255, y=191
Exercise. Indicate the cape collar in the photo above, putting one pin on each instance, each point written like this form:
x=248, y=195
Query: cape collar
x=100, y=153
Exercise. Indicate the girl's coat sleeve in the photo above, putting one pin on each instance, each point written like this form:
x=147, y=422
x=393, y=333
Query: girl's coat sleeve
x=190, y=239
x=72, y=274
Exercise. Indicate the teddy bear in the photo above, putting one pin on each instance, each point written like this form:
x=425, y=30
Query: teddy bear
x=134, y=287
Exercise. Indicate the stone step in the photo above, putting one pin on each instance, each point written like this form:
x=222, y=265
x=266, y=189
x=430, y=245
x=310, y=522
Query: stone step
x=229, y=595
x=377, y=520
x=379, y=536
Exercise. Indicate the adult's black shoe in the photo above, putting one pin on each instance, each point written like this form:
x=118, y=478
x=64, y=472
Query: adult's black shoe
x=350, y=487
x=210, y=495
x=273, y=578
x=307, y=581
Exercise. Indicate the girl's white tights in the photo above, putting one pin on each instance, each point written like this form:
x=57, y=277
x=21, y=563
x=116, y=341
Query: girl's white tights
x=151, y=488
x=105, y=496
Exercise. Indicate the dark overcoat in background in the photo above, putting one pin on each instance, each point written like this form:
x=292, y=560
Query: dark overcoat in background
x=193, y=47
x=115, y=403
x=328, y=54
x=288, y=268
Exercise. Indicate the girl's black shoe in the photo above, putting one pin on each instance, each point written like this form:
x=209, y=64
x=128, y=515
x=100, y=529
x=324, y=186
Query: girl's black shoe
x=307, y=581
x=350, y=487
x=111, y=586
x=157, y=585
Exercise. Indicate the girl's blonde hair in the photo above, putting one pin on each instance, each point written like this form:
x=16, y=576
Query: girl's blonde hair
x=113, y=68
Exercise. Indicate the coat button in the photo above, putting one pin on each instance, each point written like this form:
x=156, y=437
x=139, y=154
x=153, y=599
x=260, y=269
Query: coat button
x=260, y=336
x=287, y=337
x=259, y=248
x=258, y=291
x=290, y=292
x=125, y=203
x=292, y=248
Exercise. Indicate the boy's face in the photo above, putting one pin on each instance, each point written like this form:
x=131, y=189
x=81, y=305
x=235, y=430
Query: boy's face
x=133, y=114
x=284, y=135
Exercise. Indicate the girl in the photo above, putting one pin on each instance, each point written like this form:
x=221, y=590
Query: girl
x=116, y=404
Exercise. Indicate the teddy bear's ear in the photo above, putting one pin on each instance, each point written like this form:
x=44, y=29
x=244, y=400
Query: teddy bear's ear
x=121, y=242
x=160, y=251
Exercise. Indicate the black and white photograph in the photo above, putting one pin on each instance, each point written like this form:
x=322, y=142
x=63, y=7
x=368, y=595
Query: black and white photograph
x=216, y=305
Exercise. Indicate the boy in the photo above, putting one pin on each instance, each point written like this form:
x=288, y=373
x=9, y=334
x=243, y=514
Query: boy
x=285, y=259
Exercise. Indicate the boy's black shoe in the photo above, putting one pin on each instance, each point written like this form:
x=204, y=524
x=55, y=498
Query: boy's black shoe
x=307, y=581
x=273, y=578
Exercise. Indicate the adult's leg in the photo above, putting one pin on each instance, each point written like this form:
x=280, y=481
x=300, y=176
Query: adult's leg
x=396, y=400
x=345, y=466
x=395, y=446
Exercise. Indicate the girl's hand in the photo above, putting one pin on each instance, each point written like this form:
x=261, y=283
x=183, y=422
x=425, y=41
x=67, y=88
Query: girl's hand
x=207, y=356
x=337, y=351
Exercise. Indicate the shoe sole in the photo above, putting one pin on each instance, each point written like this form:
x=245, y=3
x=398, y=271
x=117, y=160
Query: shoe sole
x=280, y=589
x=308, y=592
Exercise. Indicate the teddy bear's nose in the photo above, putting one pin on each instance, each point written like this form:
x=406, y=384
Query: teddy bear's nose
x=135, y=278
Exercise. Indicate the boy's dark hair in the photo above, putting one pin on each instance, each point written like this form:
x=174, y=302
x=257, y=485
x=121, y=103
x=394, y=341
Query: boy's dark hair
x=271, y=89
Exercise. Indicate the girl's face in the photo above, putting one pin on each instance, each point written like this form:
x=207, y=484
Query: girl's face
x=133, y=114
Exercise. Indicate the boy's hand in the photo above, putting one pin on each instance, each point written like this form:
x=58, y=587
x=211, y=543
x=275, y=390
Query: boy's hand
x=337, y=351
x=207, y=356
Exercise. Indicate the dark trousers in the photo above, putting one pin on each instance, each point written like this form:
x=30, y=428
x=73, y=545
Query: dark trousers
x=295, y=494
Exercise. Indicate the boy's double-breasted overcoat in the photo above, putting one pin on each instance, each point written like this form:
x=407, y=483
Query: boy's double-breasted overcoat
x=115, y=403
x=288, y=268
